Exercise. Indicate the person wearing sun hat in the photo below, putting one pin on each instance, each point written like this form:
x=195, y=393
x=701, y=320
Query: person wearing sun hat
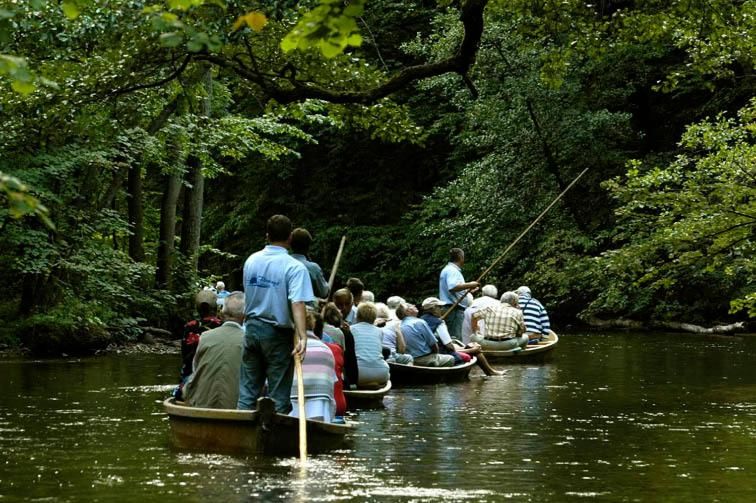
x=432, y=311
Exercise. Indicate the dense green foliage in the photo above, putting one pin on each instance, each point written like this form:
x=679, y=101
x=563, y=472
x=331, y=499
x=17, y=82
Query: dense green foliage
x=116, y=112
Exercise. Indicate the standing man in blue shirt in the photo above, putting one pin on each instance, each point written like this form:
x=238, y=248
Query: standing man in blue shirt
x=300, y=247
x=452, y=286
x=276, y=288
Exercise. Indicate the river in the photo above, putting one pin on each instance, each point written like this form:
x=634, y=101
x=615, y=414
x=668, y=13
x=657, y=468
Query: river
x=612, y=417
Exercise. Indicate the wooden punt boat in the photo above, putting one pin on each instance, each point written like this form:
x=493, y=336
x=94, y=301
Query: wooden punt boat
x=260, y=431
x=408, y=375
x=366, y=398
x=532, y=353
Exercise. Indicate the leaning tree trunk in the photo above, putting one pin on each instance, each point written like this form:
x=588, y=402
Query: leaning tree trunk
x=194, y=195
x=166, y=248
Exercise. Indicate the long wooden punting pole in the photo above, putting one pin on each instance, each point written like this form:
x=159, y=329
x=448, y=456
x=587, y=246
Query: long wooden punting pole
x=484, y=273
x=335, y=267
x=301, y=406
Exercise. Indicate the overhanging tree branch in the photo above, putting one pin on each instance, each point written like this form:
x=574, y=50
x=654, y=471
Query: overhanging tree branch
x=297, y=90
x=158, y=83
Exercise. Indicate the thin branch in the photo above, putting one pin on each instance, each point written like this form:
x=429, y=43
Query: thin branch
x=741, y=214
x=725, y=231
x=375, y=43
x=172, y=76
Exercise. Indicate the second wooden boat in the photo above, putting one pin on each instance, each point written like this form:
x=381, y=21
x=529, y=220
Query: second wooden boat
x=532, y=353
x=363, y=398
x=260, y=431
x=408, y=375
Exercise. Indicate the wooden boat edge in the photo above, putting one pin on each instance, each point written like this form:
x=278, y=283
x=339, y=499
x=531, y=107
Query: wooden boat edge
x=442, y=370
x=368, y=393
x=530, y=351
x=200, y=413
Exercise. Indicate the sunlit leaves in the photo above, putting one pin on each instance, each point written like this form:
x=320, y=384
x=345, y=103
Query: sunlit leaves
x=20, y=201
x=71, y=8
x=254, y=19
x=330, y=27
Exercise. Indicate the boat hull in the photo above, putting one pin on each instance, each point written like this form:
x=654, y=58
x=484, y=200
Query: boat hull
x=532, y=354
x=366, y=398
x=409, y=375
x=261, y=431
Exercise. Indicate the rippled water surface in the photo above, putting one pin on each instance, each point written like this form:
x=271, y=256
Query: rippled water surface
x=616, y=417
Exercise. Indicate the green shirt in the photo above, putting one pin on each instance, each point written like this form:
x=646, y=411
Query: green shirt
x=215, y=381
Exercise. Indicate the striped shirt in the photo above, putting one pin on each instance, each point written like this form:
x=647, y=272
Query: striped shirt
x=502, y=321
x=318, y=370
x=536, y=317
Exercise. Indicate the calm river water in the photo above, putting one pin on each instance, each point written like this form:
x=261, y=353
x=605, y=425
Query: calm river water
x=613, y=417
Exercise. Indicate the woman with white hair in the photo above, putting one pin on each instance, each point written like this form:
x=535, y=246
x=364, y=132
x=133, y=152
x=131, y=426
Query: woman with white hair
x=372, y=369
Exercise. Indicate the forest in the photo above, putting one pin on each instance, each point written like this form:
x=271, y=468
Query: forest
x=144, y=144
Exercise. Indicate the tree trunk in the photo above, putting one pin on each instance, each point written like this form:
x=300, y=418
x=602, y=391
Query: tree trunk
x=194, y=195
x=136, y=188
x=136, y=213
x=193, y=203
x=167, y=231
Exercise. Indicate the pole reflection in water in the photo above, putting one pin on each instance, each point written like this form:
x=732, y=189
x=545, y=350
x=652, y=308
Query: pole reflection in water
x=618, y=417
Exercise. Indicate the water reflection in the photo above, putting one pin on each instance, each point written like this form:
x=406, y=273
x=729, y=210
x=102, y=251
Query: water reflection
x=613, y=417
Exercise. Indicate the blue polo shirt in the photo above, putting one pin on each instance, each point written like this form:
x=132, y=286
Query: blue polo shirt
x=273, y=280
x=319, y=283
x=417, y=336
x=451, y=276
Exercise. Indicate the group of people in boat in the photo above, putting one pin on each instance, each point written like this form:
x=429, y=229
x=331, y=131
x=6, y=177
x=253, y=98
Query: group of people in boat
x=345, y=343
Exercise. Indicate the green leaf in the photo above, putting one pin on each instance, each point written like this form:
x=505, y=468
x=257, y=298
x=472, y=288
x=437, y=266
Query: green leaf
x=70, y=9
x=171, y=39
x=23, y=86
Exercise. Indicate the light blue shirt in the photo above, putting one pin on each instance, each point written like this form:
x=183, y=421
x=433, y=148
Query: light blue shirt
x=417, y=336
x=273, y=280
x=451, y=276
x=368, y=345
x=319, y=283
x=352, y=316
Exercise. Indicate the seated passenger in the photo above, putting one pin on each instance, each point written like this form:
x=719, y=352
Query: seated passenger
x=434, y=310
x=332, y=323
x=319, y=378
x=338, y=358
x=367, y=296
x=421, y=344
x=214, y=383
x=221, y=292
x=537, y=324
x=206, y=302
x=342, y=299
x=393, y=343
x=392, y=303
x=504, y=325
x=372, y=369
x=489, y=297
x=355, y=287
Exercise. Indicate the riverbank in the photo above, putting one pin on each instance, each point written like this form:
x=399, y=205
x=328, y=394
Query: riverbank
x=158, y=347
